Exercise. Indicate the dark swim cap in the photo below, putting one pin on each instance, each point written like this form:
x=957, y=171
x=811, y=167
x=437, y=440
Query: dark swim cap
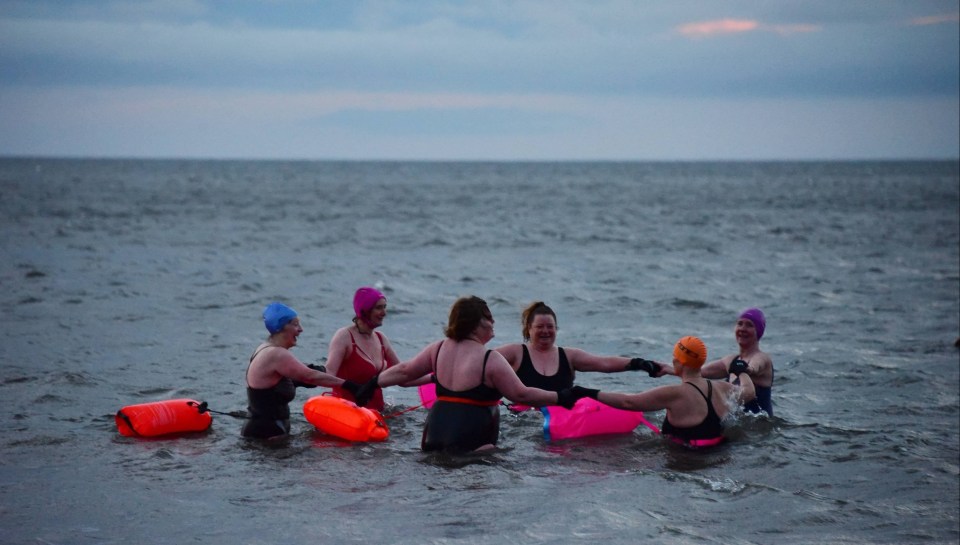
x=277, y=315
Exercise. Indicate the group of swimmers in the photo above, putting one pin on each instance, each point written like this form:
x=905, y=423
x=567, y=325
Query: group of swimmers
x=471, y=380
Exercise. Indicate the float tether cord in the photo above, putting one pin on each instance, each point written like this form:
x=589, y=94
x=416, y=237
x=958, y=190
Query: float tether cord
x=203, y=408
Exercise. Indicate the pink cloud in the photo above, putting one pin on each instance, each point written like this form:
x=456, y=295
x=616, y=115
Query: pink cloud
x=707, y=29
x=936, y=19
x=712, y=28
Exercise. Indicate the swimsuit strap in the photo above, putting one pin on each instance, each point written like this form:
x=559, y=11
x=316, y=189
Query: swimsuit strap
x=436, y=358
x=383, y=351
x=709, y=391
x=249, y=363
x=483, y=370
x=261, y=349
x=562, y=356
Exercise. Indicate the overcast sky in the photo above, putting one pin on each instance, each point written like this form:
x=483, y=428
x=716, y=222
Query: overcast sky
x=504, y=80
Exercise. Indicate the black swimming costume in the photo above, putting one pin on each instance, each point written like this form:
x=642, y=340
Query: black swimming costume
x=269, y=408
x=709, y=428
x=532, y=378
x=463, y=421
x=763, y=402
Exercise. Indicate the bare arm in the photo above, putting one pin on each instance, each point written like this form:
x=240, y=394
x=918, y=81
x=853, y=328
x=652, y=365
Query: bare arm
x=404, y=373
x=393, y=360
x=585, y=361
x=513, y=353
x=337, y=351
x=716, y=369
x=505, y=379
x=289, y=366
x=746, y=392
x=651, y=400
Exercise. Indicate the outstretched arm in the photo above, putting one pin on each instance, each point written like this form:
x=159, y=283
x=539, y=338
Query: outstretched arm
x=393, y=360
x=289, y=366
x=716, y=369
x=585, y=361
x=504, y=379
x=651, y=400
x=411, y=370
x=513, y=353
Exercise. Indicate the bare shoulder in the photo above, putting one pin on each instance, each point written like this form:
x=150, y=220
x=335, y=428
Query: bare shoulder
x=576, y=354
x=340, y=337
x=511, y=352
x=762, y=360
x=497, y=358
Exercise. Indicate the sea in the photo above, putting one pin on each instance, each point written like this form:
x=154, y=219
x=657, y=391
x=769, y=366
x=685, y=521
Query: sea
x=133, y=281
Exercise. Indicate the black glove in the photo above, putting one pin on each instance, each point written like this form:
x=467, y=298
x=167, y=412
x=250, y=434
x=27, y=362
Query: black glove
x=738, y=366
x=568, y=397
x=351, y=387
x=640, y=364
x=321, y=368
x=364, y=392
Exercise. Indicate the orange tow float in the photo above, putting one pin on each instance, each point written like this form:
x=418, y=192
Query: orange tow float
x=344, y=419
x=162, y=418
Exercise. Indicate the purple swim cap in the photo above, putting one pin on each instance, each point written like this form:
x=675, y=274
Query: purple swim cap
x=755, y=315
x=276, y=316
x=365, y=299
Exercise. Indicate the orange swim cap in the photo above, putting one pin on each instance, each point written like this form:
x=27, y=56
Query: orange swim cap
x=690, y=351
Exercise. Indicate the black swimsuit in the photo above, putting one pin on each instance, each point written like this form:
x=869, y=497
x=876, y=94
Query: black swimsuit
x=709, y=428
x=463, y=421
x=531, y=378
x=269, y=408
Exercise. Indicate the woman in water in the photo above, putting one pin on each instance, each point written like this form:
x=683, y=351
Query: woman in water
x=274, y=373
x=471, y=379
x=696, y=407
x=357, y=352
x=750, y=360
x=541, y=364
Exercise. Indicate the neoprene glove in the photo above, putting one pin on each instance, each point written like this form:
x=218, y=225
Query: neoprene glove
x=351, y=387
x=640, y=364
x=315, y=367
x=738, y=366
x=363, y=394
x=568, y=397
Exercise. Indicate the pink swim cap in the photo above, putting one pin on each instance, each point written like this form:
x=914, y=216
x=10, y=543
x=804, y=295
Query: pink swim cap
x=755, y=315
x=365, y=299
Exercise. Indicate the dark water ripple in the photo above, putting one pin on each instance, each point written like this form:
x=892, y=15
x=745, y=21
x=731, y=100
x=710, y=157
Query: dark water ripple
x=131, y=281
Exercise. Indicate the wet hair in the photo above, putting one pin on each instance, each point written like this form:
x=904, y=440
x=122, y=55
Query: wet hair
x=535, y=309
x=465, y=316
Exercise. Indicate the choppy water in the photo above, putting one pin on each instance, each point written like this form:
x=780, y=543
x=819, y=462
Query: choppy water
x=133, y=281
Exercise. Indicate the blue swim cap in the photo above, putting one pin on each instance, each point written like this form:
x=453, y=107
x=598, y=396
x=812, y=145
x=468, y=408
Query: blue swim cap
x=277, y=315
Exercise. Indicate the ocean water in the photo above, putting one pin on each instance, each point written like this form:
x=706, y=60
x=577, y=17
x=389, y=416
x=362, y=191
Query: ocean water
x=127, y=281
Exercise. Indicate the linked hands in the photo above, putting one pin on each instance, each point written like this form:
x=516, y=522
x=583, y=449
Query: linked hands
x=738, y=366
x=365, y=391
x=568, y=397
x=651, y=367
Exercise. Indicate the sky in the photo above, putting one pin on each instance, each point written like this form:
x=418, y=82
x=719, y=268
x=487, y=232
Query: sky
x=623, y=80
